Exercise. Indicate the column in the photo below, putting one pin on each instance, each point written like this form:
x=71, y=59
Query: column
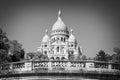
x=109, y=66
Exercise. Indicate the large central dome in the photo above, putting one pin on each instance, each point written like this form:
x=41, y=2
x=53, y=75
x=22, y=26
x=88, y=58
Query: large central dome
x=59, y=24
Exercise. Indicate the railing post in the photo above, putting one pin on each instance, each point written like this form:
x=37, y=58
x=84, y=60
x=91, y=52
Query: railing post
x=109, y=66
x=32, y=65
x=49, y=66
x=11, y=66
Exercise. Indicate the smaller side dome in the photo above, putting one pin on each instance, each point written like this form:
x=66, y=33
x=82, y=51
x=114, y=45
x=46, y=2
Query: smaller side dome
x=72, y=37
x=46, y=37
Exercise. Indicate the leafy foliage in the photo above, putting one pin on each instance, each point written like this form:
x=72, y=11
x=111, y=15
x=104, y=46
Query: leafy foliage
x=84, y=57
x=79, y=54
x=116, y=56
x=30, y=55
x=101, y=56
x=3, y=55
x=10, y=51
x=37, y=55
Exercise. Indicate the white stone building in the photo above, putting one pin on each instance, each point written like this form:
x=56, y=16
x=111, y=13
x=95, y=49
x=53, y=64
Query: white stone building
x=59, y=45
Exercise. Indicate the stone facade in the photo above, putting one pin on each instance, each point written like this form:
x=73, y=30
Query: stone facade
x=59, y=45
x=62, y=51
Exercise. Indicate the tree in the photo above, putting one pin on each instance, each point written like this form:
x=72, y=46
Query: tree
x=3, y=41
x=37, y=55
x=3, y=55
x=22, y=53
x=90, y=58
x=71, y=57
x=101, y=56
x=4, y=46
x=116, y=56
x=17, y=53
x=42, y=56
x=15, y=46
x=108, y=58
x=15, y=50
x=116, y=50
x=84, y=57
x=30, y=55
x=79, y=54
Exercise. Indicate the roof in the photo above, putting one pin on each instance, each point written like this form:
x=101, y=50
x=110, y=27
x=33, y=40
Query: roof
x=59, y=24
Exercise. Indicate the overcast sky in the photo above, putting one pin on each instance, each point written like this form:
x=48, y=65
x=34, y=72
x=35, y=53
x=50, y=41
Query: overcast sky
x=95, y=23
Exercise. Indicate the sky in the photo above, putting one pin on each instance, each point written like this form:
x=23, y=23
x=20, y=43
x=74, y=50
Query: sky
x=95, y=23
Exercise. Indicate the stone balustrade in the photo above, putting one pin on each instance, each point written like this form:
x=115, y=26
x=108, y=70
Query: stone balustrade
x=60, y=66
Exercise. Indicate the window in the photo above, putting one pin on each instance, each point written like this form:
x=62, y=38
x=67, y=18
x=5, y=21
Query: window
x=68, y=45
x=57, y=58
x=71, y=45
x=72, y=52
x=57, y=49
x=57, y=38
x=62, y=58
x=45, y=52
x=62, y=51
x=45, y=45
x=52, y=58
x=64, y=39
x=53, y=40
x=61, y=38
x=53, y=52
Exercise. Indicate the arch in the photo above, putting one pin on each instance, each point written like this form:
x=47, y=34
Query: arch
x=64, y=39
x=53, y=52
x=57, y=38
x=45, y=52
x=62, y=58
x=53, y=39
x=72, y=52
x=57, y=58
x=45, y=45
x=52, y=58
x=72, y=45
x=58, y=49
x=61, y=38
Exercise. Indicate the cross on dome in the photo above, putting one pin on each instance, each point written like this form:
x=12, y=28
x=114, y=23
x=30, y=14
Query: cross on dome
x=46, y=31
x=59, y=14
x=59, y=24
x=71, y=31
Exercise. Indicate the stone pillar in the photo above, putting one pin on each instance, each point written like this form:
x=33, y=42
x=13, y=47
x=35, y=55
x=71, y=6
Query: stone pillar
x=90, y=65
x=28, y=66
x=49, y=66
x=11, y=66
x=68, y=67
x=109, y=66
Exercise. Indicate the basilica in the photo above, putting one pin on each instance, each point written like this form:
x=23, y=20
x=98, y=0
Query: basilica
x=60, y=44
x=63, y=56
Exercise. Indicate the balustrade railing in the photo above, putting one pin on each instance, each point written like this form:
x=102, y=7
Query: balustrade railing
x=58, y=66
